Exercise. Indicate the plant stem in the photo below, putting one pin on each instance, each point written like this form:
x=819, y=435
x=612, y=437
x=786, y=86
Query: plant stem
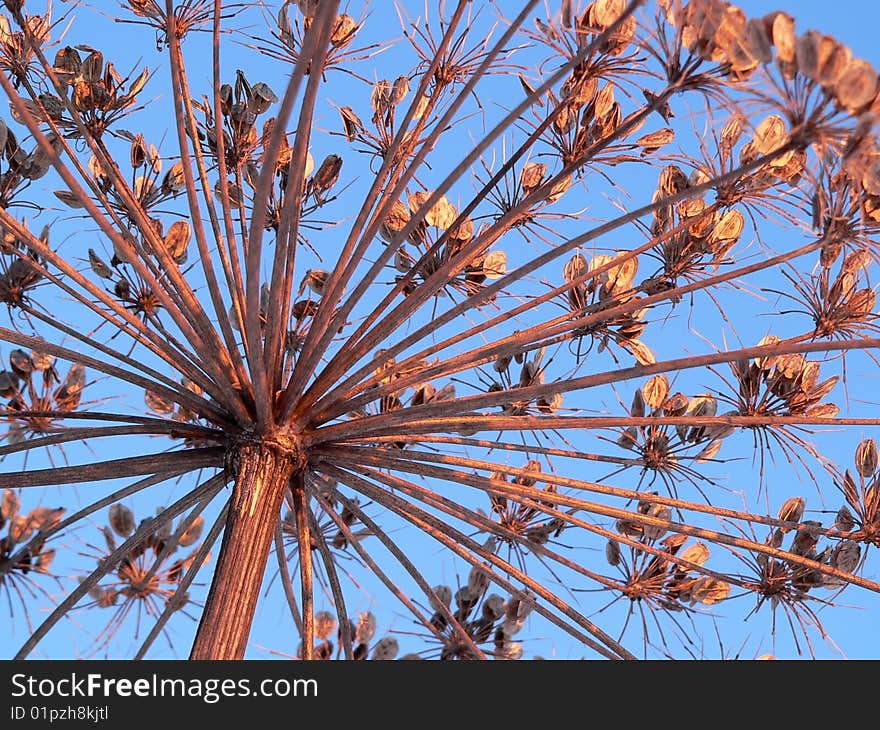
x=263, y=472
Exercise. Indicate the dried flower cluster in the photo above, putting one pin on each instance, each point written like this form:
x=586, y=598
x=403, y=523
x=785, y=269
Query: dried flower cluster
x=440, y=289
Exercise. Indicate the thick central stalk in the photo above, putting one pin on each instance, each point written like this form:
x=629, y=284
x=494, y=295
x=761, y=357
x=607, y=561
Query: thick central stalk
x=262, y=474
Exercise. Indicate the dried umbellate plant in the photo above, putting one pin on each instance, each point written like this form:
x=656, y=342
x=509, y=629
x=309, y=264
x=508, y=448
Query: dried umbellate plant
x=562, y=298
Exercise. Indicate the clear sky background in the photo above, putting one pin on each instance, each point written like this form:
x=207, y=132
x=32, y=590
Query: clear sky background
x=854, y=635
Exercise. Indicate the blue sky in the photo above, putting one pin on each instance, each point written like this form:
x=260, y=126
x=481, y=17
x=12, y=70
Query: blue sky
x=853, y=22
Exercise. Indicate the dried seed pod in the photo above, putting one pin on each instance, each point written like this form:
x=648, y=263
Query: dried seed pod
x=866, y=458
x=856, y=87
x=9, y=505
x=399, y=90
x=495, y=265
x=655, y=391
x=21, y=363
x=67, y=395
x=192, y=533
x=558, y=189
x=316, y=280
x=845, y=556
x=385, y=649
x=325, y=625
x=442, y=214
x=157, y=403
x=99, y=268
x=174, y=180
x=176, y=241
x=612, y=552
x=327, y=174
x=844, y=521
x=532, y=175
x=365, y=627
x=660, y=511
x=709, y=591
x=791, y=511
x=641, y=352
x=655, y=140
x=697, y=553
x=708, y=452
x=444, y=596
x=344, y=30
x=121, y=520
x=728, y=228
x=351, y=123
x=395, y=221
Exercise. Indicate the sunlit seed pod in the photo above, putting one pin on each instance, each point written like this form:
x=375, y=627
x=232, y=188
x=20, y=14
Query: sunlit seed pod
x=193, y=533
x=9, y=505
x=177, y=239
x=857, y=85
x=344, y=30
x=138, y=151
x=495, y=264
x=558, y=189
x=121, y=519
x=807, y=53
x=642, y=353
x=325, y=625
x=67, y=395
x=550, y=405
x=605, y=12
x=444, y=597
x=442, y=214
x=866, y=458
x=174, y=180
x=770, y=135
x=709, y=591
x=385, y=649
x=509, y=651
x=158, y=404
x=728, y=228
x=832, y=65
x=791, y=511
x=316, y=280
x=44, y=560
x=697, y=553
x=380, y=95
x=531, y=175
x=844, y=521
x=709, y=452
x=655, y=391
x=529, y=89
x=790, y=364
x=365, y=627
x=655, y=140
x=823, y=410
x=758, y=40
x=327, y=174
x=575, y=267
x=856, y=261
x=395, y=221
x=99, y=268
x=767, y=363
